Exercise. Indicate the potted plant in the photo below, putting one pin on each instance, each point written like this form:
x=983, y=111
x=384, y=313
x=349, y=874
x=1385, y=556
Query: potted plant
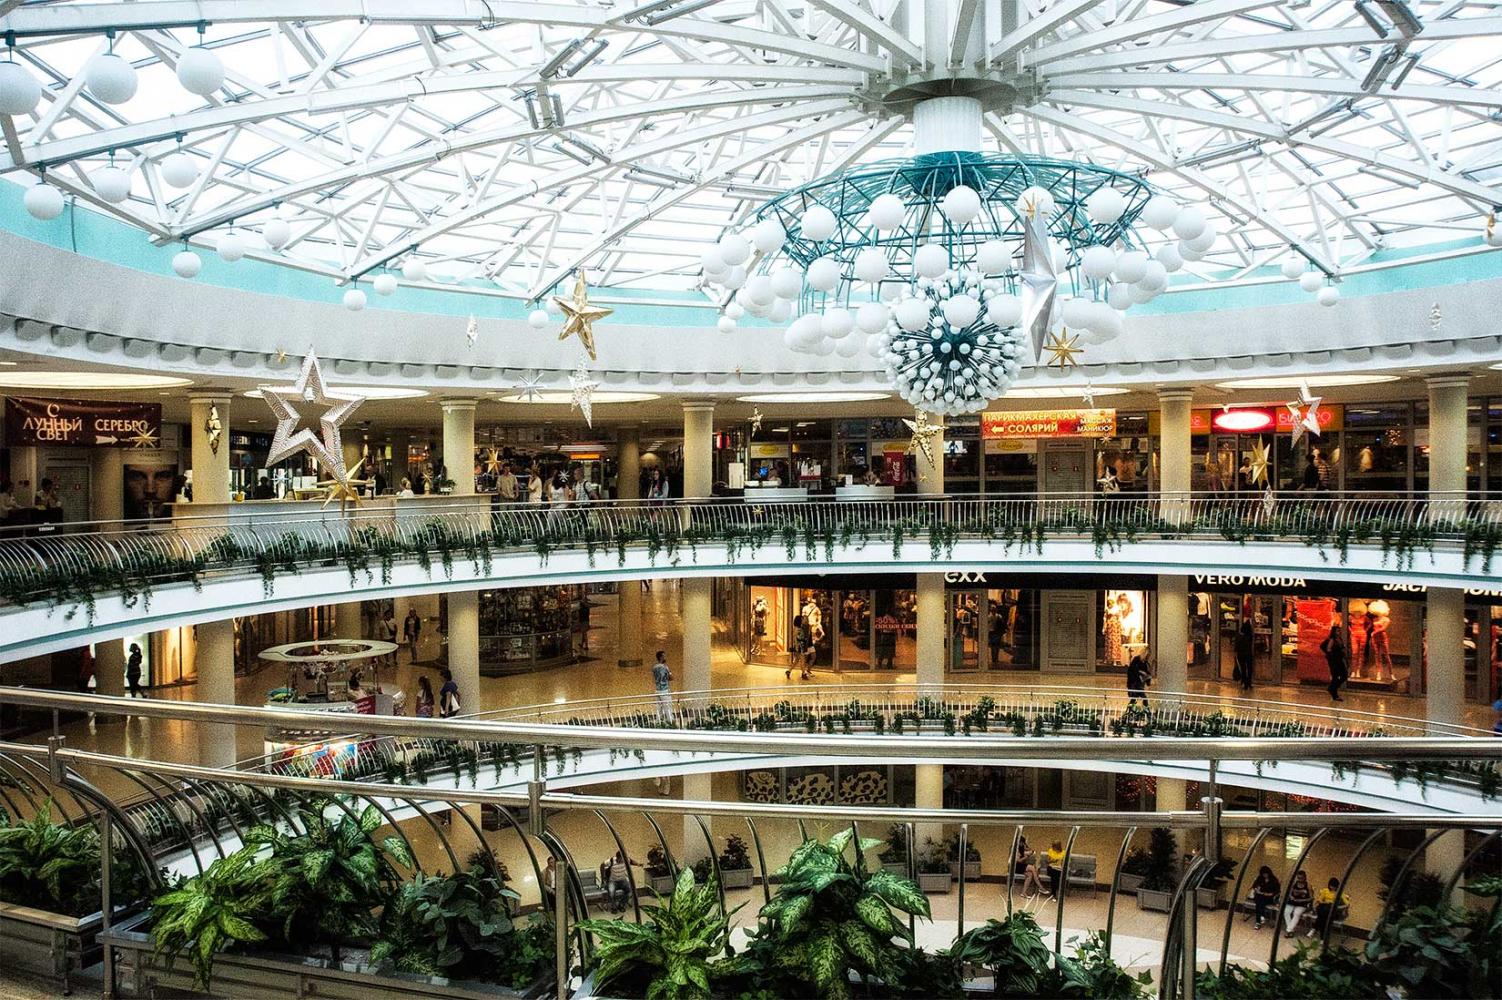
x=1012, y=950
x=659, y=875
x=933, y=868
x=735, y=864
x=671, y=953
x=1133, y=868
x=1159, y=876
x=894, y=854
x=972, y=859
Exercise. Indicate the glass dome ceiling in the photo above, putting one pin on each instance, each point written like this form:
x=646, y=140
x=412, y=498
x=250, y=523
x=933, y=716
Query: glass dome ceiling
x=513, y=142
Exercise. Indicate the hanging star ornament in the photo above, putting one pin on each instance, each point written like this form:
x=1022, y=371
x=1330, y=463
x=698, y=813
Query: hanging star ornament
x=308, y=418
x=472, y=330
x=1304, y=413
x=583, y=388
x=756, y=419
x=1088, y=396
x=1037, y=281
x=530, y=388
x=923, y=436
x=580, y=315
x=1062, y=346
x=1257, y=462
x=1269, y=502
x=346, y=489
x=1436, y=318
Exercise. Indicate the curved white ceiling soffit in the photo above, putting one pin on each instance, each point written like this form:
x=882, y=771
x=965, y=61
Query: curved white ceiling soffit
x=518, y=141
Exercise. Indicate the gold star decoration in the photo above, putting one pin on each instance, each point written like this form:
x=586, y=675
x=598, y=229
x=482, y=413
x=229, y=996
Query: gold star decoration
x=1063, y=346
x=923, y=438
x=1257, y=463
x=281, y=356
x=580, y=315
x=345, y=488
x=144, y=439
x=301, y=407
x=583, y=388
x=756, y=419
x=493, y=461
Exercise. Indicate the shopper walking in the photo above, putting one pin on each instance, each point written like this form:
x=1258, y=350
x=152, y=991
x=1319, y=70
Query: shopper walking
x=133, y=671
x=411, y=632
x=1244, y=651
x=424, y=698
x=448, y=697
x=1139, y=676
x=662, y=683
x=1337, y=657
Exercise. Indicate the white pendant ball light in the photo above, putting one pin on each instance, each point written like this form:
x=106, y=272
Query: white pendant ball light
x=734, y=249
x=1168, y=255
x=734, y=310
x=849, y=347
x=19, y=91
x=780, y=311
x=1098, y=262
x=414, y=269
x=818, y=223
x=930, y=260
x=806, y=330
x=1292, y=267
x=232, y=248
x=1119, y=297
x=1328, y=296
x=886, y=212
x=384, y=284
x=1131, y=266
x=1105, y=319
x=960, y=310
x=187, y=264
x=200, y=72
x=734, y=278
x=823, y=274
x=179, y=170
x=790, y=336
x=111, y=184
x=759, y=290
x=1105, y=206
x=1188, y=252
x=110, y=79
x=1155, y=277
x=993, y=257
x=725, y=324
x=43, y=201
x=912, y=314
x=1190, y=223
x=1160, y=212
x=1141, y=294
x=767, y=235
x=277, y=234
x=1206, y=239
x=1036, y=202
x=823, y=347
x=1074, y=313
x=1004, y=310
x=1310, y=281
x=786, y=283
x=872, y=317
x=961, y=205
x=354, y=300
x=837, y=322
x=712, y=262
x=871, y=265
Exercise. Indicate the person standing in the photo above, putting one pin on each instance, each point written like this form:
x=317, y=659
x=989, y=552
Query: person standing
x=448, y=697
x=662, y=683
x=534, y=486
x=1244, y=651
x=1139, y=676
x=1337, y=657
x=506, y=485
x=412, y=631
x=424, y=698
x=388, y=630
x=133, y=671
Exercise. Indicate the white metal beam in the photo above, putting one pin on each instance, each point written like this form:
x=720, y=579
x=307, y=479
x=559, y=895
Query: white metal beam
x=1056, y=13
x=871, y=27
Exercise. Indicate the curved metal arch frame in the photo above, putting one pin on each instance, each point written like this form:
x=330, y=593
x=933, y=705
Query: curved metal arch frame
x=761, y=861
x=1184, y=901
x=180, y=794
x=1401, y=877
x=1345, y=878
x=1058, y=936
x=1298, y=865
x=574, y=891
x=620, y=845
x=521, y=834
x=128, y=831
x=1121, y=854
x=154, y=800
x=714, y=861
x=1246, y=865
x=20, y=783
x=43, y=779
x=1465, y=863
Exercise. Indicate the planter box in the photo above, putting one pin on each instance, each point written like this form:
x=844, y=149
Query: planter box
x=934, y=882
x=1153, y=899
x=972, y=870
x=1128, y=883
x=736, y=878
x=1208, y=899
x=895, y=867
x=661, y=884
x=45, y=944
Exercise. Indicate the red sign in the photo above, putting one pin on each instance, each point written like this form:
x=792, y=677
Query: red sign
x=1048, y=424
x=1243, y=421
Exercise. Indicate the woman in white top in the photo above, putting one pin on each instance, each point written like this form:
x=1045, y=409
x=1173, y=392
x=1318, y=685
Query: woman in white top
x=406, y=490
x=534, y=486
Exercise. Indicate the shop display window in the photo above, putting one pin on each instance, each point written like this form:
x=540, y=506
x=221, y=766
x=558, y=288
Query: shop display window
x=1011, y=467
x=1012, y=635
x=523, y=628
x=820, y=624
x=855, y=630
x=1123, y=627
x=1382, y=634
x=771, y=625
x=1377, y=443
x=895, y=630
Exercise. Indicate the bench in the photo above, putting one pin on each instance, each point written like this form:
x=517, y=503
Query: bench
x=594, y=892
x=1082, y=872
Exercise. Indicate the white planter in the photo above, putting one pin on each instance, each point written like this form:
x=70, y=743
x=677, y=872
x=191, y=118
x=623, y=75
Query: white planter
x=736, y=878
x=1153, y=899
x=661, y=884
x=972, y=870
x=46, y=944
x=933, y=882
x=1128, y=882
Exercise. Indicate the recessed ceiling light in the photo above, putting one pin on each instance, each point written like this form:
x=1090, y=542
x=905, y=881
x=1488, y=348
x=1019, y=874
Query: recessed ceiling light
x=1063, y=391
x=88, y=380
x=1312, y=381
x=567, y=398
x=9, y=364
x=812, y=397
x=368, y=391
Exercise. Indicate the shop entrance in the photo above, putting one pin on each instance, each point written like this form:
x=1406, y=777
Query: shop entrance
x=1066, y=468
x=966, y=645
x=1068, y=639
x=1261, y=614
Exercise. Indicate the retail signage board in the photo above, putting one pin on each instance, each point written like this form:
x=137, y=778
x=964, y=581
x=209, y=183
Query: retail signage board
x=1048, y=423
x=82, y=423
x=1331, y=418
x=766, y=449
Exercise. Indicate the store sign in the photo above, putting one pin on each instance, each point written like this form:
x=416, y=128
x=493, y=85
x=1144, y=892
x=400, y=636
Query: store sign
x=1048, y=424
x=78, y=423
x=1244, y=421
x=1251, y=420
x=1298, y=586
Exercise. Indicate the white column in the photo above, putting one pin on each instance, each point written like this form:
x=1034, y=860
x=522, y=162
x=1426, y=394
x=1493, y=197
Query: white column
x=1447, y=445
x=214, y=662
x=25, y=473
x=1172, y=633
x=107, y=484
x=932, y=626
x=210, y=457
x=464, y=647
x=694, y=673
x=459, y=444
x=628, y=592
x=1174, y=447
x=348, y=620
x=1445, y=701
x=109, y=669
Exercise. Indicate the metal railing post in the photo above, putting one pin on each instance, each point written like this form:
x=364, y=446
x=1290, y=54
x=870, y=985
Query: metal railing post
x=1190, y=939
x=106, y=898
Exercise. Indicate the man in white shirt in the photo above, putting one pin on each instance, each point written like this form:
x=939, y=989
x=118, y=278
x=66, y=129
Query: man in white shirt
x=506, y=485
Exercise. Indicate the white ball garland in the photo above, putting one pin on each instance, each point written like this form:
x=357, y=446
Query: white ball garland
x=278, y=233
x=823, y=274
x=961, y=205
x=871, y=265
x=886, y=212
x=1328, y=296
x=930, y=260
x=110, y=78
x=187, y=264
x=178, y=169
x=1105, y=206
x=20, y=93
x=1310, y=281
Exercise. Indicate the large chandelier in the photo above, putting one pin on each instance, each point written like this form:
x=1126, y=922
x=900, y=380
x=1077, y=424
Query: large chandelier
x=955, y=269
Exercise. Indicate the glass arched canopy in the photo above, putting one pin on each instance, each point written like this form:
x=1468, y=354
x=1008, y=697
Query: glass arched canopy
x=514, y=141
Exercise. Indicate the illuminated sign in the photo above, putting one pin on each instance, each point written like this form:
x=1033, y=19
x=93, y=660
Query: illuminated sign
x=1048, y=424
x=1243, y=421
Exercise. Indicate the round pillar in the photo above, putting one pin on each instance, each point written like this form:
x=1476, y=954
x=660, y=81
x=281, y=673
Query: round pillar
x=932, y=623
x=349, y=620
x=1444, y=684
x=109, y=669
x=459, y=444
x=214, y=662
x=1174, y=451
x=1173, y=633
x=464, y=647
x=209, y=409
x=107, y=484
x=1447, y=445
x=628, y=592
x=698, y=481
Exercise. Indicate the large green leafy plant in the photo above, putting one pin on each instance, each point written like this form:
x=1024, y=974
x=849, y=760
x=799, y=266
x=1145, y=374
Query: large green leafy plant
x=1308, y=974
x=457, y=926
x=50, y=866
x=1092, y=973
x=1011, y=949
x=211, y=912
x=671, y=954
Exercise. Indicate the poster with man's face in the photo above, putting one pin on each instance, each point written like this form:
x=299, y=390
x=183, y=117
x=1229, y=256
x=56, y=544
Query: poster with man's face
x=148, y=490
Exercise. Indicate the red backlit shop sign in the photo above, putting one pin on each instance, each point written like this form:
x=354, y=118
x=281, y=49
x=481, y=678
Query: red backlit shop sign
x=1257, y=420
x=1048, y=424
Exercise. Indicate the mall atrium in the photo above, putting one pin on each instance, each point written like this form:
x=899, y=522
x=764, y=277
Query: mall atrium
x=692, y=499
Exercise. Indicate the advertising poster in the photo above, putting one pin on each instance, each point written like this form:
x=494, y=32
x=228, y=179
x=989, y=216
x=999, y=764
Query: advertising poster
x=1316, y=616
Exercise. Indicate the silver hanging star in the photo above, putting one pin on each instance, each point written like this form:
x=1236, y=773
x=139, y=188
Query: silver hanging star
x=1269, y=502
x=1088, y=396
x=530, y=388
x=472, y=330
x=583, y=388
x=1436, y=318
x=294, y=426
x=1310, y=420
x=756, y=419
x=1038, y=281
x=1295, y=420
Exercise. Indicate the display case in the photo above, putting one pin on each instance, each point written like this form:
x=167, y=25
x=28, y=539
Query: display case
x=530, y=628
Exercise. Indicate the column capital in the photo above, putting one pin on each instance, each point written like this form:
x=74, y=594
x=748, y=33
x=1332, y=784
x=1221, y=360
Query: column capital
x=1448, y=380
x=1176, y=394
x=210, y=395
x=698, y=406
x=458, y=404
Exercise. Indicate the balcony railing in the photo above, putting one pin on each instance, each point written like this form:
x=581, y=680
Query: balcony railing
x=78, y=563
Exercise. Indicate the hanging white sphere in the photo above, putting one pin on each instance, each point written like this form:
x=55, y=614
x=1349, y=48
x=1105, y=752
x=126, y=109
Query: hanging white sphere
x=734, y=249
x=960, y=310
x=837, y=322
x=354, y=300
x=110, y=78
x=871, y=265
x=1292, y=267
x=930, y=260
x=19, y=91
x=712, y=262
x=961, y=205
x=790, y=338
x=1160, y=212
x=1131, y=266
x=1091, y=335
x=1190, y=223
x=725, y=324
x=912, y=314
x=179, y=169
x=759, y=290
x=231, y=248
x=1168, y=255
x=734, y=278
x=1188, y=252
x=823, y=274
x=803, y=330
x=767, y=235
x=876, y=345
x=823, y=347
x=1310, y=281
x=993, y=257
x=384, y=284
x=1004, y=310
x=1493, y=235
x=187, y=264
x=200, y=72
x=744, y=299
x=1328, y=296
x=1155, y=277
x=1105, y=205
x=780, y=311
x=1104, y=321
x=277, y=234
x=818, y=223
x=1119, y=297
x=43, y=201
x=734, y=311
x=872, y=317
x=1206, y=239
x=1074, y=313
x=1036, y=202
x=1141, y=294
x=111, y=184
x=1098, y=262
x=786, y=283
x=849, y=347
x=886, y=212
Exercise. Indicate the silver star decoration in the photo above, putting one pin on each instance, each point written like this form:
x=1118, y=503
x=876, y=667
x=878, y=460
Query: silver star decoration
x=583, y=388
x=756, y=419
x=1436, y=318
x=294, y=428
x=1269, y=502
x=530, y=388
x=1088, y=396
x=472, y=330
x=1038, y=281
x=1109, y=483
x=1310, y=420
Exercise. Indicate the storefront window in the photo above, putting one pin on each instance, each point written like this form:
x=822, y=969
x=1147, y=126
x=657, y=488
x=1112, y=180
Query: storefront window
x=816, y=608
x=962, y=455
x=896, y=628
x=528, y=627
x=855, y=630
x=771, y=625
x=1012, y=636
x=1011, y=467
x=1377, y=443
x=1128, y=455
x=812, y=454
x=1382, y=639
x=1123, y=627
